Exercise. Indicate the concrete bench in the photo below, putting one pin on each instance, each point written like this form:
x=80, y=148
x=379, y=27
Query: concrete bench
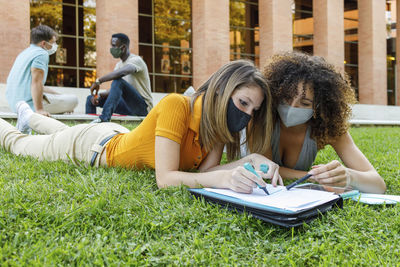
x=376, y=114
x=79, y=112
x=75, y=117
x=362, y=114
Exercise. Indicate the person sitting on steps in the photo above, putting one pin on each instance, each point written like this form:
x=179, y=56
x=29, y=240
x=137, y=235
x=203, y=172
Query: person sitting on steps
x=130, y=92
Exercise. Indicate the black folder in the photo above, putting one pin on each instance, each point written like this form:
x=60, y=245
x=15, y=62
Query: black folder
x=277, y=216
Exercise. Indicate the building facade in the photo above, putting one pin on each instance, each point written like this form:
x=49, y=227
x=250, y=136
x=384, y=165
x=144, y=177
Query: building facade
x=184, y=41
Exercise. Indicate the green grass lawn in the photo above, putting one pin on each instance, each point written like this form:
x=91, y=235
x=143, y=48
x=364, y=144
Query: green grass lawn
x=60, y=214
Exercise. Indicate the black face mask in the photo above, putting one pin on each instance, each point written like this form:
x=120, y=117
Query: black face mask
x=237, y=119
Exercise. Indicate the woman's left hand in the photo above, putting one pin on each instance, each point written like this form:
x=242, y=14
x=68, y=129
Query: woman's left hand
x=332, y=174
x=273, y=168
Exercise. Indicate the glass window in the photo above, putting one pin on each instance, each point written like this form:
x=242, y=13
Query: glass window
x=89, y=53
x=89, y=3
x=391, y=51
x=145, y=7
x=177, y=9
x=89, y=22
x=172, y=31
x=74, y=63
x=303, y=28
x=352, y=71
x=391, y=74
x=145, y=30
x=244, y=30
x=351, y=41
x=169, y=83
x=351, y=53
x=165, y=43
x=48, y=13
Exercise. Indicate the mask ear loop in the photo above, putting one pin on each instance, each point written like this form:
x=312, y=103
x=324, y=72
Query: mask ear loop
x=44, y=45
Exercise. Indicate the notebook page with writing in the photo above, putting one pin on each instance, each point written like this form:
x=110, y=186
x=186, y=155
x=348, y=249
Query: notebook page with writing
x=293, y=199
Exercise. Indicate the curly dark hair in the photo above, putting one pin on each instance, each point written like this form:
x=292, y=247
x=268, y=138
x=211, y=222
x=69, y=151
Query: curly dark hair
x=333, y=94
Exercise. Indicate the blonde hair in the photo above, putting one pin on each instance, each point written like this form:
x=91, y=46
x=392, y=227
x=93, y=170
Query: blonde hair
x=216, y=92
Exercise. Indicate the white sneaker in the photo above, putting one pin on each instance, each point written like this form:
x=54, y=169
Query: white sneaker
x=96, y=121
x=24, y=113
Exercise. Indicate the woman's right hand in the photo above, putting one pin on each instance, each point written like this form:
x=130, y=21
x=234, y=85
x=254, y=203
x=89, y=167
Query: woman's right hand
x=243, y=181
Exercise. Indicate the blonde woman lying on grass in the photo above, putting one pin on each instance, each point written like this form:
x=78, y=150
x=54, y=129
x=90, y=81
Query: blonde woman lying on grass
x=178, y=135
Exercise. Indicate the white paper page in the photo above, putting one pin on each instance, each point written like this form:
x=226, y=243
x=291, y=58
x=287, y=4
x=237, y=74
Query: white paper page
x=293, y=199
x=377, y=198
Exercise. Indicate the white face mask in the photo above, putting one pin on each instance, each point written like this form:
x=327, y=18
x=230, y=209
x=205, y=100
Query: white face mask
x=292, y=116
x=53, y=48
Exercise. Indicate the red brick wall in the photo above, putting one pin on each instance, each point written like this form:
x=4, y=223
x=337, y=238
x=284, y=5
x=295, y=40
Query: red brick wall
x=328, y=31
x=372, y=72
x=211, y=47
x=14, y=33
x=113, y=17
x=275, y=18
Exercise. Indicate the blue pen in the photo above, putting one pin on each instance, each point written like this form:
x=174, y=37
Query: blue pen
x=250, y=168
x=302, y=179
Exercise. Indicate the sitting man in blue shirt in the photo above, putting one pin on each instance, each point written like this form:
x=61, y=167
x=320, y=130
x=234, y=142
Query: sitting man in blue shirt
x=130, y=92
x=26, y=79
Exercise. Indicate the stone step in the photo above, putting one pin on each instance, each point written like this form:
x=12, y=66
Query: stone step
x=363, y=114
x=88, y=117
x=77, y=117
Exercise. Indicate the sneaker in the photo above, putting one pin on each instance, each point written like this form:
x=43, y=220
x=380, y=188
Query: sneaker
x=98, y=120
x=24, y=113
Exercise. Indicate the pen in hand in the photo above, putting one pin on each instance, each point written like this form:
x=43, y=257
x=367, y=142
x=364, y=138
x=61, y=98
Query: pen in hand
x=302, y=179
x=250, y=168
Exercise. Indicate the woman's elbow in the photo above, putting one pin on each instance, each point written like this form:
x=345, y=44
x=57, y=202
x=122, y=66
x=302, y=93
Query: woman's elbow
x=164, y=180
x=379, y=187
x=382, y=187
x=160, y=182
x=381, y=184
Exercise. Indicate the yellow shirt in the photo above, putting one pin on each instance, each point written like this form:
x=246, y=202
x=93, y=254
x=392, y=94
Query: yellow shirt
x=172, y=119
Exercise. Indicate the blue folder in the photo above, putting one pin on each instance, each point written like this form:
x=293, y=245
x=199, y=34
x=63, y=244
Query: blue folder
x=274, y=215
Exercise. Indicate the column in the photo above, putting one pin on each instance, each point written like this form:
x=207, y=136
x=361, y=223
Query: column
x=372, y=52
x=211, y=47
x=329, y=31
x=397, y=53
x=14, y=33
x=276, y=27
x=114, y=17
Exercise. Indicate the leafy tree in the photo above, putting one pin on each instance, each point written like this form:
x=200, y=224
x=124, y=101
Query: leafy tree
x=170, y=24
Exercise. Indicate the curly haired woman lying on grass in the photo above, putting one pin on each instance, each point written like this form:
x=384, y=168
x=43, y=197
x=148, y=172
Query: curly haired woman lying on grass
x=311, y=109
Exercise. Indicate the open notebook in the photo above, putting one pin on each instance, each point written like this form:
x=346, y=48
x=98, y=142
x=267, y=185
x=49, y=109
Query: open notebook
x=280, y=198
x=282, y=207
